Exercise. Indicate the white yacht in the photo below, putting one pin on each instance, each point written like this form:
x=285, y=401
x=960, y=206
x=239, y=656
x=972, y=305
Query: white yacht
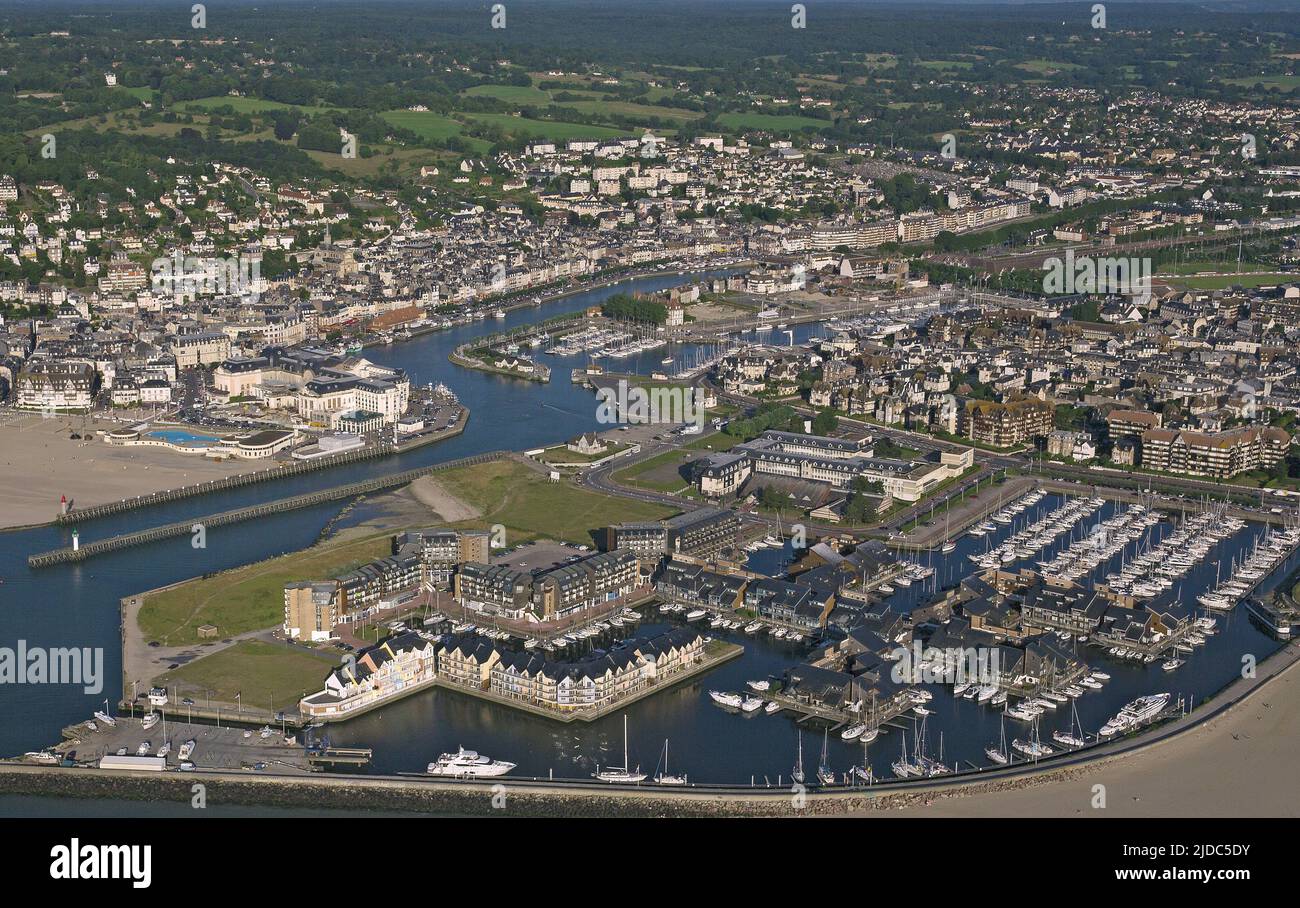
x=726, y=698
x=468, y=764
x=149, y=721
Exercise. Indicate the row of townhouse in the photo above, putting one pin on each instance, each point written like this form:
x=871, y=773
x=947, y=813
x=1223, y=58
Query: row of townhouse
x=590, y=684
x=391, y=668
x=1022, y=606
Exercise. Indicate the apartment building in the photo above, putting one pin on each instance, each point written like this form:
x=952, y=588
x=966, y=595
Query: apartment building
x=207, y=348
x=312, y=609
x=350, y=597
x=1219, y=455
x=704, y=533
x=548, y=594
x=1121, y=423
x=441, y=551
x=49, y=384
x=1005, y=424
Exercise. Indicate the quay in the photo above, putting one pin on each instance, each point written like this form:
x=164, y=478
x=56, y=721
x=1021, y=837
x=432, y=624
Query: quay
x=186, y=528
x=339, y=756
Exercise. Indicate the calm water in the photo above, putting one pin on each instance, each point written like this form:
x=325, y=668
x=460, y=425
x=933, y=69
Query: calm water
x=77, y=605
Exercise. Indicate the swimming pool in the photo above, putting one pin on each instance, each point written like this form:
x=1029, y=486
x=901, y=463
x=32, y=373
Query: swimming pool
x=180, y=437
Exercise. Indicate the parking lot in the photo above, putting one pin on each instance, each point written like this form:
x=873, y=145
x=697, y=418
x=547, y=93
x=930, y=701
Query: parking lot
x=227, y=748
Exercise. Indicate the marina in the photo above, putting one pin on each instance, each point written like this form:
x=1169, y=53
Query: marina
x=710, y=745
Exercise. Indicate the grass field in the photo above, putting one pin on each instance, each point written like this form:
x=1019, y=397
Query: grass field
x=1281, y=82
x=556, y=131
x=530, y=507
x=429, y=125
x=660, y=473
x=263, y=675
x=1193, y=268
x=561, y=454
x=510, y=94
x=249, y=105
x=1223, y=281
x=776, y=122
x=601, y=107
x=143, y=92
x=248, y=598
x=1046, y=66
x=406, y=159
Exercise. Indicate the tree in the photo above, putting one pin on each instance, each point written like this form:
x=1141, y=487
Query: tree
x=825, y=422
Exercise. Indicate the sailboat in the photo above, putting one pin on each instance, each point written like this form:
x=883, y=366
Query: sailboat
x=904, y=768
x=872, y=731
x=999, y=754
x=103, y=716
x=621, y=773
x=1070, y=738
x=664, y=778
x=797, y=772
x=824, y=773
x=950, y=544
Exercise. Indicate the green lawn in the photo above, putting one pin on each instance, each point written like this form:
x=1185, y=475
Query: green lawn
x=1223, y=281
x=511, y=94
x=1193, y=268
x=264, y=675
x=777, y=122
x=248, y=598
x=561, y=454
x=531, y=507
x=1281, y=82
x=249, y=105
x=601, y=107
x=659, y=472
x=555, y=131
x=1046, y=66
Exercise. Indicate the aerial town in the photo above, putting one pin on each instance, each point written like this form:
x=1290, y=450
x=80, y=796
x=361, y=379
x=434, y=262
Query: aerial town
x=916, y=416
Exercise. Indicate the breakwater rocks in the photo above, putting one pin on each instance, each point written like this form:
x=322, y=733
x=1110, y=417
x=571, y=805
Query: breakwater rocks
x=505, y=797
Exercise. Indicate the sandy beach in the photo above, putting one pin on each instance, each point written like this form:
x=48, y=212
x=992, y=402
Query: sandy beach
x=1240, y=764
x=39, y=463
